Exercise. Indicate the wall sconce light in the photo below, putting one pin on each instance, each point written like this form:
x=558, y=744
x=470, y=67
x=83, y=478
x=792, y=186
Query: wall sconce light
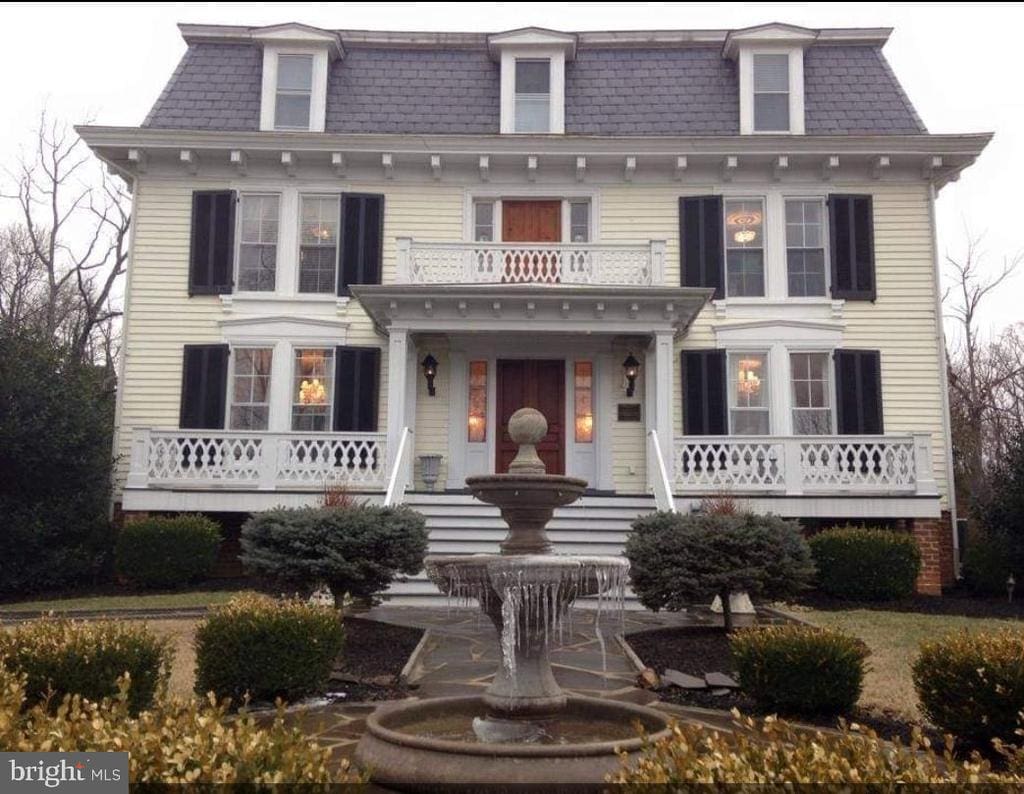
x=429, y=364
x=631, y=367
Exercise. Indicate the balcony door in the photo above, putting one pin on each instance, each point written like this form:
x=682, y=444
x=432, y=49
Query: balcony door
x=531, y=222
x=539, y=384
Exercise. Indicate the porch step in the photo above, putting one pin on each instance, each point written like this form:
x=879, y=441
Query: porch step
x=460, y=524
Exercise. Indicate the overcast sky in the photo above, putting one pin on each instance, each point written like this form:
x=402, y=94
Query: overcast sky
x=960, y=64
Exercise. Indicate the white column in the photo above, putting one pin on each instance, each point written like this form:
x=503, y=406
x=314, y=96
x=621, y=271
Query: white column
x=663, y=355
x=398, y=369
x=608, y=376
x=458, y=413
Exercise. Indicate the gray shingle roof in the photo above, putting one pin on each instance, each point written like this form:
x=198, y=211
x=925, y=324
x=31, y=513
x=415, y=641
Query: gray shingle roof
x=609, y=91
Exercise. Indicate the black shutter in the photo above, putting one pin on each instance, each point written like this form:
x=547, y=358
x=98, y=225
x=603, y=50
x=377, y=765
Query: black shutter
x=204, y=381
x=700, y=242
x=859, y=392
x=212, y=250
x=852, y=236
x=704, y=393
x=362, y=240
x=356, y=388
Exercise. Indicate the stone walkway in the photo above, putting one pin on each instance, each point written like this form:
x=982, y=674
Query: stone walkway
x=460, y=654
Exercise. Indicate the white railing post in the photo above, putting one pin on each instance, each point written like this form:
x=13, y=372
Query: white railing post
x=138, y=467
x=403, y=255
x=662, y=483
x=657, y=253
x=923, y=472
x=792, y=467
x=271, y=455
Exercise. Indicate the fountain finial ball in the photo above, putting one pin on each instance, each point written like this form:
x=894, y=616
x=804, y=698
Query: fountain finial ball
x=527, y=426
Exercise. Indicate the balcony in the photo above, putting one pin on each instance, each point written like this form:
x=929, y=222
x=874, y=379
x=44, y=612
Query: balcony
x=804, y=465
x=256, y=460
x=593, y=264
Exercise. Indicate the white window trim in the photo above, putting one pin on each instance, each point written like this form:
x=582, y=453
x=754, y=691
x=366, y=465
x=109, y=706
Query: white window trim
x=556, y=56
x=796, y=88
x=826, y=242
x=314, y=194
x=238, y=243
x=318, y=96
x=229, y=401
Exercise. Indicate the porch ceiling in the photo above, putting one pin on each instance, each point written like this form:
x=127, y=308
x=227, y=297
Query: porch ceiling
x=532, y=308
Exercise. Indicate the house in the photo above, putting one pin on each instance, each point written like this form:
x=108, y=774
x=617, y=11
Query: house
x=707, y=256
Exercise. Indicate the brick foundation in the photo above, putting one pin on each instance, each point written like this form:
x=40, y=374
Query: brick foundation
x=934, y=538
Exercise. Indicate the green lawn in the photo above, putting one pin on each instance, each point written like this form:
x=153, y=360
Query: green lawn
x=893, y=638
x=198, y=598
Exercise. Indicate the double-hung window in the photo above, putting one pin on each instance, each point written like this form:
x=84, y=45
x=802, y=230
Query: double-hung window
x=313, y=389
x=294, y=94
x=533, y=95
x=483, y=221
x=771, y=92
x=744, y=247
x=250, y=388
x=805, y=247
x=318, y=244
x=257, y=247
x=749, y=400
x=579, y=221
x=812, y=394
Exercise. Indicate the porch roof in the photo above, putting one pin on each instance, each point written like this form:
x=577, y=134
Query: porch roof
x=533, y=308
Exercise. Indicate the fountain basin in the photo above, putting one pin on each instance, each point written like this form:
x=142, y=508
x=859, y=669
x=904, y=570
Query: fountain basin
x=412, y=745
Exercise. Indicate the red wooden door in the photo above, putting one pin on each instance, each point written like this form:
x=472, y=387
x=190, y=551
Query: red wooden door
x=532, y=383
x=531, y=221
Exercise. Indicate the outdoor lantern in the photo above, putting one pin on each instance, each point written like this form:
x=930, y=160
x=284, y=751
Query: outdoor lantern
x=429, y=365
x=632, y=368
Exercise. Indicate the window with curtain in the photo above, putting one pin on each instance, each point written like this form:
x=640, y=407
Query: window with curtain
x=533, y=95
x=294, y=92
x=318, y=244
x=477, y=401
x=771, y=92
x=749, y=412
x=583, y=384
x=483, y=221
x=579, y=221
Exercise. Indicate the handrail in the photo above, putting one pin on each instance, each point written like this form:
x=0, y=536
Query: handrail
x=398, y=480
x=662, y=485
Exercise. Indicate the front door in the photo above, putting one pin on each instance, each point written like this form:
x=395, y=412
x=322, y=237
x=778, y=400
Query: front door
x=532, y=383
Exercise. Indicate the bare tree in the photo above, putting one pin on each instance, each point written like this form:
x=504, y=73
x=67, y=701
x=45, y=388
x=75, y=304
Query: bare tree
x=60, y=270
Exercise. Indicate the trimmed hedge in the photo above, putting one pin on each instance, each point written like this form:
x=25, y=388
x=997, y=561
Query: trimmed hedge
x=68, y=657
x=267, y=648
x=801, y=670
x=356, y=550
x=973, y=684
x=188, y=742
x=866, y=564
x=163, y=551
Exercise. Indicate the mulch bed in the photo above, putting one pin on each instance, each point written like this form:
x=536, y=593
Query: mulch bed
x=372, y=660
x=955, y=602
x=697, y=650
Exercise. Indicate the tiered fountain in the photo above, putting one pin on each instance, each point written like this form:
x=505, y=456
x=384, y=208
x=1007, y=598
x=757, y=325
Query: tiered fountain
x=524, y=731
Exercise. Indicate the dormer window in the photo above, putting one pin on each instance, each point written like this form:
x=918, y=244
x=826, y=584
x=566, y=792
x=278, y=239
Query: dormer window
x=771, y=92
x=294, y=92
x=533, y=95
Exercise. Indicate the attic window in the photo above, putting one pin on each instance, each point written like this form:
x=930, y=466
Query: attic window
x=533, y=95
x=771, y=93
x=294, y=92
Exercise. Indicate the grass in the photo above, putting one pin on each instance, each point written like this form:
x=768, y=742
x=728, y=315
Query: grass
x=893, y=638
x=199, y=598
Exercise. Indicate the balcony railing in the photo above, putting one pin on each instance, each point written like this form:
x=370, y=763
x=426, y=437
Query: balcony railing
x=601, y=264
x=794, y=465
x=256, y=460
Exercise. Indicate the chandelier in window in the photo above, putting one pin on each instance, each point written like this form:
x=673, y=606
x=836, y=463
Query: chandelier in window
x=744, y=219
x=312, y=392
x=748, y=381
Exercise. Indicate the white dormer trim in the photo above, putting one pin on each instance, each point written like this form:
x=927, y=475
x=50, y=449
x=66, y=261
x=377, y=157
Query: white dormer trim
x=321, y=45
x=533, y=44
x=772, y=39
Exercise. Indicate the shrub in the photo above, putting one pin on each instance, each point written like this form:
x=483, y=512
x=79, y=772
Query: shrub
x=166, y=551
x=267, y=648
x=677, y=559
x=866, y=564
x=796, y=669
x=71, y=657
x=56, y=422
x=972, y=684
x=1001, y=506
x=357, y=550
x=178, y=741
x=777, y=754
x=987, y=565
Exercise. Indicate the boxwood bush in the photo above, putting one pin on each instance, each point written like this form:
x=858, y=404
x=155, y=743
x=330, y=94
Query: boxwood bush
x=800, y=670
x=167, y=551
x=972, y=685
x=357, y=550
x=267, y=648
x=187, y=742
x=68, y=657
x=866, y=564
